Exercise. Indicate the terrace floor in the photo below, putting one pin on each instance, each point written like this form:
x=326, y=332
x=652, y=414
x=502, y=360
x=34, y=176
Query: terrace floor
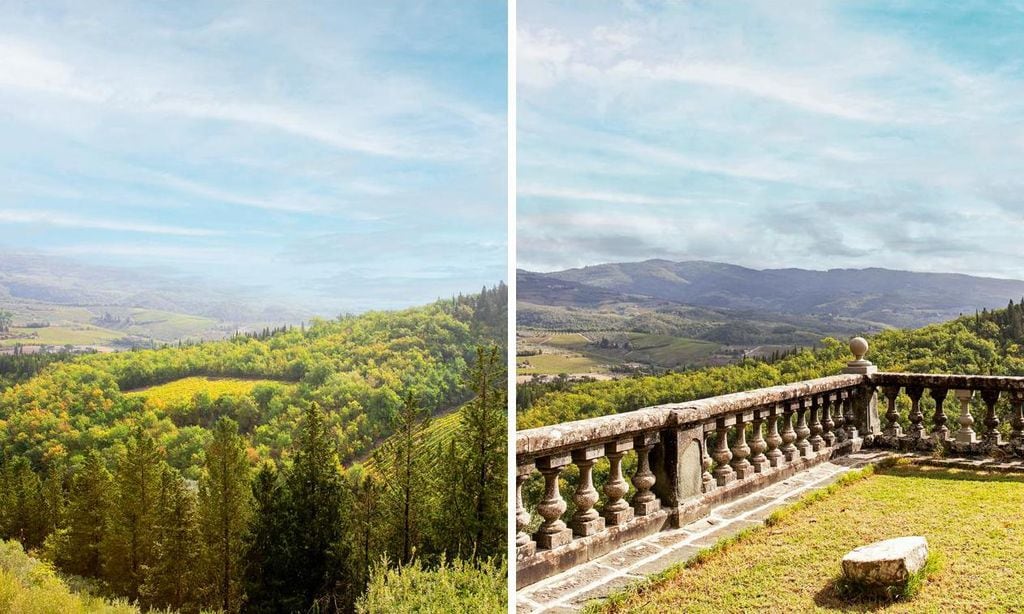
x=790, y=566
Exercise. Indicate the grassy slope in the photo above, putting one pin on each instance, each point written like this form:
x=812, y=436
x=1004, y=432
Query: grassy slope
x=972, y=522
x=182, y=390
x=439, y=432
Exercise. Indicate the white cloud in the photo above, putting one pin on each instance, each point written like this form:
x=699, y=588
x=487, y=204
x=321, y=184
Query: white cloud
x=64, y=220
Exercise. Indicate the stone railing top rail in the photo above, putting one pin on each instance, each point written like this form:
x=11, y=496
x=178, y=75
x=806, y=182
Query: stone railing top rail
x=567, y=435
x=951, y=382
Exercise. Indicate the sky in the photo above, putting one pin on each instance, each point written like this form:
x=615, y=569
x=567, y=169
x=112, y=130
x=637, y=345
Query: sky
x=809, y=134
x=337, y=156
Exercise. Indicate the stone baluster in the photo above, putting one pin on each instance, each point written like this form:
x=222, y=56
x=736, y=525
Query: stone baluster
x=916, y=416
x=849, y=419
x=837, y=413
x=707, y=480
x=803, y=431
x=789, y=451
x=817, y=441
x=827, y=424
x=757, y=443
x=966, y=433
x=525, y=546
x=774, y=439
x=723, y=471
x=1017, y=418
x=586, y=520
x=992, y=436
x=892, y=428
x=617, y=511
x=740, y=450
x=939, y=429
x=552, y=532
x=645, y=502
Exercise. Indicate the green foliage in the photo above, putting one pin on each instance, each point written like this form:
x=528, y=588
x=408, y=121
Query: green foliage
x=456, y=587
x=173, y=578
x=30, y=586
x=225, y=505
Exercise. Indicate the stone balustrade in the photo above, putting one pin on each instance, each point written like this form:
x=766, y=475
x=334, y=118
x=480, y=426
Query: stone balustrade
x=692, y=455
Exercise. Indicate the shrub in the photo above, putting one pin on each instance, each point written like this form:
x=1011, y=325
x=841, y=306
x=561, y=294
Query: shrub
x=459, y=586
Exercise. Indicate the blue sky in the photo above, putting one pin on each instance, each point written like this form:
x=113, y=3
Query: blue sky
x=332, y=155
x=767, y=134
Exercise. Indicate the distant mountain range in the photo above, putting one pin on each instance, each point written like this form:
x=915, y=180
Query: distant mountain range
x=882, y=296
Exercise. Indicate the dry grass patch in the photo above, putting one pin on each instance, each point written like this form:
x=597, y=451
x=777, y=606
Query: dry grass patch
x=973, y=522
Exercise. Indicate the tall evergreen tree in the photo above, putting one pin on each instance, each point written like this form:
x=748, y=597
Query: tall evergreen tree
x=314, y=487
x=225, y=507
x=25, y=517
x=171, y=580
x=86, y=518
x=128, y=542
x=362, y=494
x=408, y=467
x=484, y=438
x=267, y=574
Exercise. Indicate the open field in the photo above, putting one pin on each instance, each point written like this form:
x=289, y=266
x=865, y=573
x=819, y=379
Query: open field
x=607, y=352
x=66, y=334
x=972, y=522
x=182, y=390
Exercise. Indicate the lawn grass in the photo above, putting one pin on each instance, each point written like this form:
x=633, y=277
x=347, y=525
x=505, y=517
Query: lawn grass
x=182, y=390
x=974, y=523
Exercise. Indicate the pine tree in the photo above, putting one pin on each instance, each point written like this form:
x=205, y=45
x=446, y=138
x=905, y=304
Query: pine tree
x=86, y=518
x=473, y=466
x=314, y=487
x=25, y=519
x=267, y=574
x=362, y=494
x=128, y=543
x=225, y=507
x=408, y=469
x=171, y=580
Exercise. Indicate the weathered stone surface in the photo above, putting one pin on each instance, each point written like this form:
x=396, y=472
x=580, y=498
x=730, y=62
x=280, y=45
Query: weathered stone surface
x=886, y=562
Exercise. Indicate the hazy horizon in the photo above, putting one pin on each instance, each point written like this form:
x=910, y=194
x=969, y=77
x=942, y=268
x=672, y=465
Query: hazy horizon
x=842, y=135
x=338, y=156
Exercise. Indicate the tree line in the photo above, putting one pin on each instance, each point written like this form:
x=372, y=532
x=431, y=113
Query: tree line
x=270, y=537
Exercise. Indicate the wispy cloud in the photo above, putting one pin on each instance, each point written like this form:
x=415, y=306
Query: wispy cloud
x=842, y=134
x=54, y=218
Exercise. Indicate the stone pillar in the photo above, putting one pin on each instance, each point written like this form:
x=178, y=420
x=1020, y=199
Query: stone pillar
x=865, y=412
x=803, y=431
x=644, y=501
x=740, y=450
x=723, y=472
x=817, y=441
x=774, y=439
x=757, y=443
x=525, y=546
x=939, y=429
x=617, y=511
x=892, y=417
x=552, y=532
x=827, y=424
x=586, y=521
x=789, y=450
x=916, y=416
x=992, y=436
x=966, y=433
x=837, y=414
x=678, y=466
x=1017, y=418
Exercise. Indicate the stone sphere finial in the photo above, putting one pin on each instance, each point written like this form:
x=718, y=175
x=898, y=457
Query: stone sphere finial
x=859, y=348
